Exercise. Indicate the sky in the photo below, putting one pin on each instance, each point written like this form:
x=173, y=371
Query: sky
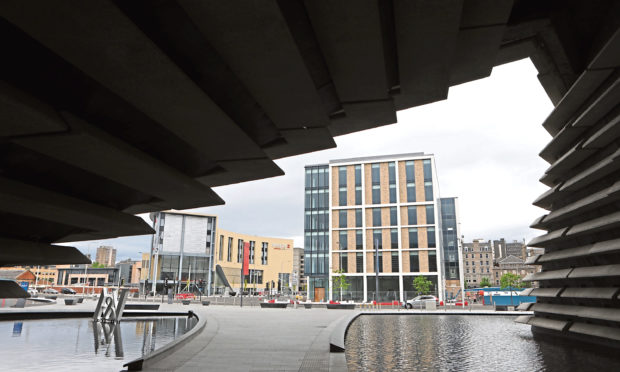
x=485, y=137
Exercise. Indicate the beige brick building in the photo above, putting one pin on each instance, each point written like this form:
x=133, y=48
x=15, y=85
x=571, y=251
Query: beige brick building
x=478, y=262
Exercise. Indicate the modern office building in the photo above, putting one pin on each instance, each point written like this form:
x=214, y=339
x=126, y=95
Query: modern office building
x=270, y=263
x=388, y=204
x=478, y=262
x=182, y=249
x=450, y=245
x=316, y=231
x=106, y=255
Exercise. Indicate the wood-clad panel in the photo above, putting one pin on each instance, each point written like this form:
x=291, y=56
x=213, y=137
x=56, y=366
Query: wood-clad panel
x=418, y=168
x=350, y=185
x=423, y=261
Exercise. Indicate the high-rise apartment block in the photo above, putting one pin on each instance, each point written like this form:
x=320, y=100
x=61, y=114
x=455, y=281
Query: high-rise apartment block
x=106, y=255
x=386, y=204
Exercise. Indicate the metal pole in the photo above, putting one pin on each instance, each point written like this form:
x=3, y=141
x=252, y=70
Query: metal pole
x=377, y=270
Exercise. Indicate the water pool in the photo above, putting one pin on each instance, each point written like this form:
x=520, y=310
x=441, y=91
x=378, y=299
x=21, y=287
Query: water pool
x=460, y=343
x=81, y=344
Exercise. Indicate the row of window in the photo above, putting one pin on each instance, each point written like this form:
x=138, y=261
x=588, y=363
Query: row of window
x=414, y=262
x=473, y=255
x=473, y=270
x=375, y=175
x=473, y=263
x=377, y=220
x=240, y=244
x=377, y=239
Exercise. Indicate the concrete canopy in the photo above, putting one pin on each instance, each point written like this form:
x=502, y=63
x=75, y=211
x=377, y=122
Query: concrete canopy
x=112, y=108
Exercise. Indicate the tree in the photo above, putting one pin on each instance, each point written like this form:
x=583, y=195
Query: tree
x=340, y=282
x=510, y=281
x=422, y=285
x=485, y=282
x=97, y=265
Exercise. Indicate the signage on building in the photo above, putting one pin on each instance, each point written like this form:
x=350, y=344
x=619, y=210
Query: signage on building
x=24, y=285
x=281, y=246
x=246, y=258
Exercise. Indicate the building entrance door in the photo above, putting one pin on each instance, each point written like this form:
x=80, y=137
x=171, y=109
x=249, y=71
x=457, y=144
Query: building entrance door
x=319, y=294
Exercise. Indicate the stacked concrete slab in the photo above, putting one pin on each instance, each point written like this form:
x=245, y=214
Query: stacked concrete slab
x=112, y=108
x=580, y=278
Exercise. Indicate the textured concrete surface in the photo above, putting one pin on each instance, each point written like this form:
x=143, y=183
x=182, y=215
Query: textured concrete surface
x=254, y=339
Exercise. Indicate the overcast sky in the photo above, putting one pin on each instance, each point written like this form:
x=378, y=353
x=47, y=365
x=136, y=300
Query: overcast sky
x=485, y=137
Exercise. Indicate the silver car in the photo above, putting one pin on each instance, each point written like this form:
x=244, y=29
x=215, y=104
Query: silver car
x=419, y=302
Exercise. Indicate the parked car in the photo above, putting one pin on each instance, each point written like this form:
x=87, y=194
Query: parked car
x=67, y=291
x=33, y=292
x=50, y=291
x=419, y=302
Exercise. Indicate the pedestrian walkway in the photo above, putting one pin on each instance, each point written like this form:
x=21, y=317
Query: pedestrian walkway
x=255, y=339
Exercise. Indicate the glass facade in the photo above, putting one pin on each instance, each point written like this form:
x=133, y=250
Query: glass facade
x=182, y=251
x=449, y=235
x=316, y=228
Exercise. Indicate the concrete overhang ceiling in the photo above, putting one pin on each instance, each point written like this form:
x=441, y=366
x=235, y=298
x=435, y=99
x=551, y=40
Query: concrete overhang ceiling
x=113, y=108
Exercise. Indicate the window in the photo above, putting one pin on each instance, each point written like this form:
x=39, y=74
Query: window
x=229, y=254
x=342, y=176
x=414, y=262
x=358, y=218
x=342, y=218
x=430, y=215
x=358, y=195
x=376, y=194
x=428, y=191
x=344, y=264
x=380, y=262
x=343, y=240
x=359, y=262
x=432, y=261
x=376, y=216
x=252, y=247
x=412, y=215
x=240, y=251
x=264, y=252
x=428, y=174
x=393, y=216
x=466, y=263
x=487, y=255
x=430, y=236
x=480, y=255
x=375, y=173
x=221, y=252
x=256, y=276
x=342, y=196
x=487, y=263
x=410, y=180
x=358, y=175
x=480, y=263
x=358, y=239
x=395, y=268
x=394, y=238
x=413, y=237
x=377, y=239
x=392, y=181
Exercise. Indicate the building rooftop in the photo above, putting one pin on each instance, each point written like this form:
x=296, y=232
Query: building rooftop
x=380, y=157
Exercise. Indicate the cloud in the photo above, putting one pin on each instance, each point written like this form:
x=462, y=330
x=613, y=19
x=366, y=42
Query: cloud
x=486, y=138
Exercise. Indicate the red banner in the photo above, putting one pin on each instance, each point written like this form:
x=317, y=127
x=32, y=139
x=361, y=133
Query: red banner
x=246, y=258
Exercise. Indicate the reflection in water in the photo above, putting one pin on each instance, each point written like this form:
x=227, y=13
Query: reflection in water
x=51, y=347
x=464, y=343
x=17, y=329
